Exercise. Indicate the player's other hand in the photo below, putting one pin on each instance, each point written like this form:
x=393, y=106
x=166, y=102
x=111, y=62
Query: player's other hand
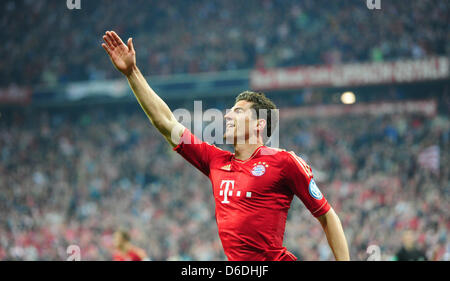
x=122, y=56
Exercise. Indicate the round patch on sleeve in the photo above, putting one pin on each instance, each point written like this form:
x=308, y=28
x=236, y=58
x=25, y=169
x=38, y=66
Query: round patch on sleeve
x=314, y=190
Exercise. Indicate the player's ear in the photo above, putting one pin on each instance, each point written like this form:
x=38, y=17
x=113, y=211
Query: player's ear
x=261, y=124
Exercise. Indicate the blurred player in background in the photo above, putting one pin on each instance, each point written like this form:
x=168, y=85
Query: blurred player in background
x=124, y=250
x=253, y=187
x=409, y=251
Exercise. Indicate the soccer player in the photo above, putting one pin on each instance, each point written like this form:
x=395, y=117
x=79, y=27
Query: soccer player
x=253, y=187
x=124, y=250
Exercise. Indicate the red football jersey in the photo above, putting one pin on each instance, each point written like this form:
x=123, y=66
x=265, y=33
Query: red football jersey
x=253, y=197
x=128, y=256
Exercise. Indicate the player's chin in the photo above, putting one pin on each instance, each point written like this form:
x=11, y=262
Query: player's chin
x=229, y=136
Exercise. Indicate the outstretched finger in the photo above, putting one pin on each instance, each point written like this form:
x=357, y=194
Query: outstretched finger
x=117, y=38
x=108, y=41
x=111, y=39
x=106, y=49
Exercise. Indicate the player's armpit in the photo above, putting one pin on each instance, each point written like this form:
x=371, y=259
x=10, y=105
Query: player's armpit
x=173, y=133
x=197, y=152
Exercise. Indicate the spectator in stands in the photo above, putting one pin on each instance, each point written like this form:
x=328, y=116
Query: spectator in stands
x=409, y=251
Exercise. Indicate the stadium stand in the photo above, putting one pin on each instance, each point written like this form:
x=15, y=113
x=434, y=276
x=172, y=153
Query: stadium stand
x=61, y=45
x=74, y=177
x=74, y=174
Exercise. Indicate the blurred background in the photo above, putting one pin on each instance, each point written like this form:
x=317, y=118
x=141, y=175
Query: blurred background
x=364, y=98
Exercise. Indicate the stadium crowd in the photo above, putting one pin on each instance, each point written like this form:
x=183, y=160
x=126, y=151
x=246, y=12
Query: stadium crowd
x=75, y=178
x=47, y=43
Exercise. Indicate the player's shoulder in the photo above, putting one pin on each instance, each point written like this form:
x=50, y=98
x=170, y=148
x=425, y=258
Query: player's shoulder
x=296, y=162
x=217, y=150
x=279, y=153
x=287, y=156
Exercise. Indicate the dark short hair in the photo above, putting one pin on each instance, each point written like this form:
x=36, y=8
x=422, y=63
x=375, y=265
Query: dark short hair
x=261, y=102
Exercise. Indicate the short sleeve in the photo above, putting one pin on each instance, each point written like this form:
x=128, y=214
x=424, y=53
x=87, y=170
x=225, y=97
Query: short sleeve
x=195, y=151
x=299, y=178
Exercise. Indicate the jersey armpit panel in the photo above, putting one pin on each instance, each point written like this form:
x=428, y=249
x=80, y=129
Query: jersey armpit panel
x=299, y=178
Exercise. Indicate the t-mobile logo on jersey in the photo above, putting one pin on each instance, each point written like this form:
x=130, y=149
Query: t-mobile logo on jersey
x=226, y=192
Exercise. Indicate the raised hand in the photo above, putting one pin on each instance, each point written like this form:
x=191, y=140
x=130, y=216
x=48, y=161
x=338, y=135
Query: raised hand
x=122, y=56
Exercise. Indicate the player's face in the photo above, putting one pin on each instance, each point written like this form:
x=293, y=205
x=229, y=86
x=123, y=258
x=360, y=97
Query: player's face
x=241, y=124
x=117, y=239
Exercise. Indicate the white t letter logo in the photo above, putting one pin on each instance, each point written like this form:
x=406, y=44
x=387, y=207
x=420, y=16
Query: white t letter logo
x=227, y=187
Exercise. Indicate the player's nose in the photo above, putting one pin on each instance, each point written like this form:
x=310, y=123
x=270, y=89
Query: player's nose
x=229, y=116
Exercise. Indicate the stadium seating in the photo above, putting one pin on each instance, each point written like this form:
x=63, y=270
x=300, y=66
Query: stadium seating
x=47, y=43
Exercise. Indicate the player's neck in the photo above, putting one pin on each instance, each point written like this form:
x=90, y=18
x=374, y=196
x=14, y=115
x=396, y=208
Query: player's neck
x=244, y=151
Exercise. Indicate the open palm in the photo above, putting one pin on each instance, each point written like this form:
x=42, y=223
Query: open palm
x=122, y=56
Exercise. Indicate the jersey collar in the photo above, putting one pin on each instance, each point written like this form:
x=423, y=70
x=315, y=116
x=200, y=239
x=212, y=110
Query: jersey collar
x=250, y=158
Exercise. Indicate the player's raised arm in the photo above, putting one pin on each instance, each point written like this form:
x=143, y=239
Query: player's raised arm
x=124, y=59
